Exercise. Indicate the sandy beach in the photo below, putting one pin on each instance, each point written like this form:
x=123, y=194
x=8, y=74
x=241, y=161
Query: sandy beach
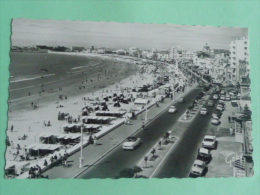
x=29, y=121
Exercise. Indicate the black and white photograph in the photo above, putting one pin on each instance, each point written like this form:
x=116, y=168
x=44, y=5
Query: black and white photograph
x=128, y=100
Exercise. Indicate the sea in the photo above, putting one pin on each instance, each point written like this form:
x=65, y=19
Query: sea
x=29, y=66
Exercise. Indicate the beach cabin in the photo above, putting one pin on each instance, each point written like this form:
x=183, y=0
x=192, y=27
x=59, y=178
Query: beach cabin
x=42, y=149
x=164, y=90
x=15, y=168
x=141, y=102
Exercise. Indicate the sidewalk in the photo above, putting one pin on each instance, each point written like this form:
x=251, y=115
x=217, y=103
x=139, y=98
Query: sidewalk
x=227, y=145
x=107, y=143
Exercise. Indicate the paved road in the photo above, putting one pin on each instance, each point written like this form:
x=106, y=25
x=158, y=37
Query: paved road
x=110, y=166
x=180, y=160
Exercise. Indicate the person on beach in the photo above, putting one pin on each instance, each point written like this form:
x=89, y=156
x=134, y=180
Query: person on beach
x=12, y=128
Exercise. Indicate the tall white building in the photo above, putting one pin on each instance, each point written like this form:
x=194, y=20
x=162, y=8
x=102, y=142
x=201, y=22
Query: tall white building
x=239, y=51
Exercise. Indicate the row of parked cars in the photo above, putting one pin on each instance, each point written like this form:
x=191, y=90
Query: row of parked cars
x=199, y=166
x=209, y=142
x=226, y=96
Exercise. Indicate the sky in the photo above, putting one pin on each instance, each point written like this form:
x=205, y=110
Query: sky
x=28, y=32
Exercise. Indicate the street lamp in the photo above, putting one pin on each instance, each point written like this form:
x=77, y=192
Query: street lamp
x=81, y=149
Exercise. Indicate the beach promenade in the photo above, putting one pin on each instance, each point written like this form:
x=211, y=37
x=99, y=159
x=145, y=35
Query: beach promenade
x=93, y=153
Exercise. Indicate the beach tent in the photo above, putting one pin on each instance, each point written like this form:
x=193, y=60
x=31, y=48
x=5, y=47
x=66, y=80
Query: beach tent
x=117, y=104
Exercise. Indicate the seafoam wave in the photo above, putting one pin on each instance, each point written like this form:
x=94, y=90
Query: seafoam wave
x=31, y=78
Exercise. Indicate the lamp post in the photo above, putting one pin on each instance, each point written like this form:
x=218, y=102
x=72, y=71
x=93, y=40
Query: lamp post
x=81, y=155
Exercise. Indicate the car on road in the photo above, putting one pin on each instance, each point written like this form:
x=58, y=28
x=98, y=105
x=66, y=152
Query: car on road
x=131, y=143
x=215, y=97
x=181, y=100
x=198, y=168
x=215, y=120
x=222, y=97
x=203, y=111
x=220, y=108
x=210, y=103
x=172, y=109
x=209, y=141
x=204, y=154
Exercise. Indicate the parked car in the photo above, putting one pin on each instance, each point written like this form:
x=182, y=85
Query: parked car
x=234, y=103
x=221, y=102
x=220, y=108
x=216, y=115
x=198, y=168
x=172, y=109
x=204, y=154
x=203, y=111
x=228, y=98
x=222, y=97
x=222, y=92
x=210, y=103
x=215, y=120
x=234, y=97
x=131, y=143
x=215, y=97
x=209, y=141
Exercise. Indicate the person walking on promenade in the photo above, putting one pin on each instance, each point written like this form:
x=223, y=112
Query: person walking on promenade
x=143, y=126
x=12, y=128
x=231, y=131
x=95, y=140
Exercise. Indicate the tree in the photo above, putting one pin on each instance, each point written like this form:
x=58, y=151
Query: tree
x=190, y=107
x=126, y=173
x=136, y=170
x=129, y=172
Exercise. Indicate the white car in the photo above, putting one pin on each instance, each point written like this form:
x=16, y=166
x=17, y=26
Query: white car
x=222, y=92
x=198, y=168
x=231, y=93
x=228, y=98
x=131, y=143
x=209, y=141
x=172, y=109
x=222, y=97
x=204, y=153
x=203, y=111
x=214, y=115
x=215, y=97
x=220, y=108
x=215, y=120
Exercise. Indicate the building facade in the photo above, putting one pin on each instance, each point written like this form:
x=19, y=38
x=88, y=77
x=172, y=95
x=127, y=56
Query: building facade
x=239, y=50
